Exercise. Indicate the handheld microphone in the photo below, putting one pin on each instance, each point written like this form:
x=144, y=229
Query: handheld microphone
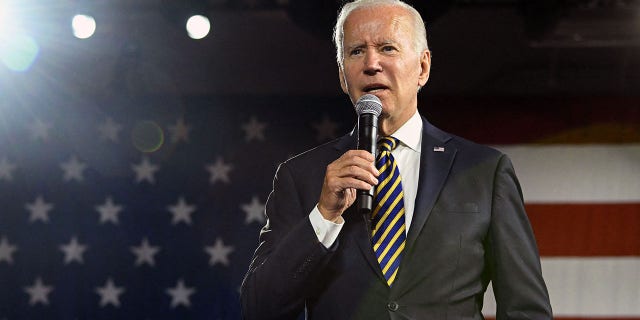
x=368, y=108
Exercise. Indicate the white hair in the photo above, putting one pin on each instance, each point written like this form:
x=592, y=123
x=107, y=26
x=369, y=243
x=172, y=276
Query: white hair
x=419, y=30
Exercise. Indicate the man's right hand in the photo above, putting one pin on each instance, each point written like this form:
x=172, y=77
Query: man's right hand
x=353, y=170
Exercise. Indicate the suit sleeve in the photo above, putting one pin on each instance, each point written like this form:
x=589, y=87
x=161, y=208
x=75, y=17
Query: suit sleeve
x=288, y=256
x=513, y=258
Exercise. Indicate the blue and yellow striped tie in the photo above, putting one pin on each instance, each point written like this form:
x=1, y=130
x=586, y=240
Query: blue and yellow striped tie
x=388, y=236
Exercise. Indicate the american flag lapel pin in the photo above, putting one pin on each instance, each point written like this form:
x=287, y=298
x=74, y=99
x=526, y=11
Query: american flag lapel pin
x=438, y=149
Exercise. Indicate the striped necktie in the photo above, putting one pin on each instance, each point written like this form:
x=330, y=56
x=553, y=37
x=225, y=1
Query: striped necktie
x=388, y=236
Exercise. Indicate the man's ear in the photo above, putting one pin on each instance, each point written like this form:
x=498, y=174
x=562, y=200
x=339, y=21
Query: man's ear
x=425, y=68
x=343, y=82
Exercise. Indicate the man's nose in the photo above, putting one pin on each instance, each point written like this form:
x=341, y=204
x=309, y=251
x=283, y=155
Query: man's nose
x=372, y=62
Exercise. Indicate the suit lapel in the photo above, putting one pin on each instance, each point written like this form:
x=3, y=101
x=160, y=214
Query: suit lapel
x=361, y=235
x=347, y=142
x=436, y=159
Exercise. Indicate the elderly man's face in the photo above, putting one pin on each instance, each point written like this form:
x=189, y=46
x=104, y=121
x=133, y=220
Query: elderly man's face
x=380, y=59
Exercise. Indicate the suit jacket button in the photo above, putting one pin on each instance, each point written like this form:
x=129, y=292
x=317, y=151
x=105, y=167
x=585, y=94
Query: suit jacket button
x=392, y=306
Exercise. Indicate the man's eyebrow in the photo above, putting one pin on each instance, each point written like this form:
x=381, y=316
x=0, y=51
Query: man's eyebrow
x=375, y=43
x=385, y=42
x=354, y=46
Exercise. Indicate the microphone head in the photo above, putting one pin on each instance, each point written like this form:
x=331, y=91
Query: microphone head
x=369, y=103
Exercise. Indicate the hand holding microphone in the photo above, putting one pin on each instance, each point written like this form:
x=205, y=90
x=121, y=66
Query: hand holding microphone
x=354, y=174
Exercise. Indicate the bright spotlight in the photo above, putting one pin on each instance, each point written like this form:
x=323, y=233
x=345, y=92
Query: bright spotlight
x=18, y=50
x=8, y=19
x=84, y=26
x=198, y=27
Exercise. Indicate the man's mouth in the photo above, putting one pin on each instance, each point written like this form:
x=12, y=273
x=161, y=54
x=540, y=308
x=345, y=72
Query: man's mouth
x=373, y=88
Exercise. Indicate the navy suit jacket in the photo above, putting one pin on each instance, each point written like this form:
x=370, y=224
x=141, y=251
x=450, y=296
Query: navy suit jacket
x=469, y=228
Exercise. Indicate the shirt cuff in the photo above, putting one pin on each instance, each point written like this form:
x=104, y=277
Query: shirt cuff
x=326, y=231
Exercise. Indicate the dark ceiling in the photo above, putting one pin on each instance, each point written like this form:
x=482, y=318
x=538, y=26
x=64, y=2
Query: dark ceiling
x=544, y=47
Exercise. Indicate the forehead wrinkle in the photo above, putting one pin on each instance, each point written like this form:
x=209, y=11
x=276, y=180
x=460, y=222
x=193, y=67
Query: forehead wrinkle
x=392, y=36
x=400, y=24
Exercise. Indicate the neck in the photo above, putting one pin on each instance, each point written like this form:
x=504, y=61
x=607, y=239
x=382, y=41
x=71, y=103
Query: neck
x=388, y=125
x=386, y=128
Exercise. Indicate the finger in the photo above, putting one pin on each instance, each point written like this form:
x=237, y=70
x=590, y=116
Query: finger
x=357, y=172
x=350, y=178
x=349, y=183
x=353, y=159
x=364, y=154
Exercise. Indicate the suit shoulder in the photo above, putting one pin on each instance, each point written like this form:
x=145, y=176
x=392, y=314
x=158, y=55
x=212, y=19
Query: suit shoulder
x=319, y=156
x=470, y=150
x=464, y=146
x=474, y=148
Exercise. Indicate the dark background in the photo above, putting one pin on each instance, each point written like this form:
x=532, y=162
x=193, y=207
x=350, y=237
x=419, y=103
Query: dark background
x=268, y=47
x=503, y=72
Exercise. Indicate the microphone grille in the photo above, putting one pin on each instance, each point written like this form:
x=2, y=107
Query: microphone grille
x=369, y=103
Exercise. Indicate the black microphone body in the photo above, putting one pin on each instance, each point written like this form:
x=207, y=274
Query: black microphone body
x=368, y=108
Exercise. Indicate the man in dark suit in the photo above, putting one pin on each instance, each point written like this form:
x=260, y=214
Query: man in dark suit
x=457, y=222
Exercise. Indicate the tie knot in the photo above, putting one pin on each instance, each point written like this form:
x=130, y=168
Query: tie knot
x=387, y=143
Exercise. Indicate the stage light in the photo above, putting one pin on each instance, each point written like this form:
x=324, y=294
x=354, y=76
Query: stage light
x=7, y=18
x=198, y=27
x=84, y=26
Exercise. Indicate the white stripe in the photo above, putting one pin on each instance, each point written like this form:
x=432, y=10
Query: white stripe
x=577, y=173
x=589, y=287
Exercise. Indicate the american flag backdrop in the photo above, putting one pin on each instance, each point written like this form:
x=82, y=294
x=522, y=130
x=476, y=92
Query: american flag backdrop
x=150, y=207
x=145, y=208
x=578, y=162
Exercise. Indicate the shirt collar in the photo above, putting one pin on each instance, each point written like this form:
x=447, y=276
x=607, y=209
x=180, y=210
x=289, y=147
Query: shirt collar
x=410, y=134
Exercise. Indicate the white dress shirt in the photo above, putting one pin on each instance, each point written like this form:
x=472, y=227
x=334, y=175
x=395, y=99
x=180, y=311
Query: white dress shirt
x=407, y=156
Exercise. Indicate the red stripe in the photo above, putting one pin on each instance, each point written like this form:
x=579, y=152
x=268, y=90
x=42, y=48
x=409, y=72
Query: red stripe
x=586, y=229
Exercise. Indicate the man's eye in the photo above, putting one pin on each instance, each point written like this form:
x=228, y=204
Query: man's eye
x=388, y=48
x=355, y=52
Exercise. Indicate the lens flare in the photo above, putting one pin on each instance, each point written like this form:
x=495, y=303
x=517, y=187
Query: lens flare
x=147, y=136
x=18, y=52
